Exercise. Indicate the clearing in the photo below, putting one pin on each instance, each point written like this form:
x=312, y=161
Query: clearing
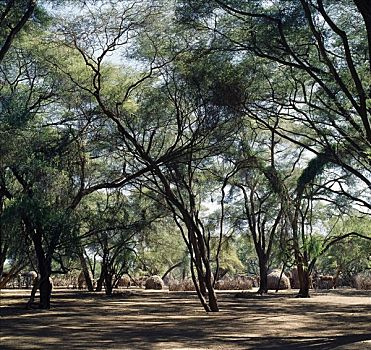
x=140, y=319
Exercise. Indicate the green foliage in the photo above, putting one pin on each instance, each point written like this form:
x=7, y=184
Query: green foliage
x=352, y=254
x=313, y=169
x=195, y=91
x=39, y=17
x=161, y=248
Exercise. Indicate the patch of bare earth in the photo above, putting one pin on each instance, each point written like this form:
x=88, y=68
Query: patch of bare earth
x=174, y=320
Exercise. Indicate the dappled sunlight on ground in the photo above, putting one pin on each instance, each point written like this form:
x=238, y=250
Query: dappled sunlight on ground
x=138, y=319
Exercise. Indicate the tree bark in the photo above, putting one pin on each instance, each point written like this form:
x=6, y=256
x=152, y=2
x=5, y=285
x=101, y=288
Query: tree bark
x=85, y=270
x=11, y=274
x=204, y=270
x=102, y=273
x=44, y=265
x=108, y=281
x=364, y=7
x=100, y=281
x=18, y=26
x=263, y=274
x=45, y=285
x=304, y=281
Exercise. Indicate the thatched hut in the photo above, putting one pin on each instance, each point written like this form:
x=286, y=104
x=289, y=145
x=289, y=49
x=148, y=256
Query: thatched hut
x=124, y=281
x=154, y=282
x=274, y=278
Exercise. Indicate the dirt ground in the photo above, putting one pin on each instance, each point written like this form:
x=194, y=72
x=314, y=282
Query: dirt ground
x=138, y=319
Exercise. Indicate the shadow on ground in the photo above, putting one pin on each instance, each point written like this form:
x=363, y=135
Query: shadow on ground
x=174, y=320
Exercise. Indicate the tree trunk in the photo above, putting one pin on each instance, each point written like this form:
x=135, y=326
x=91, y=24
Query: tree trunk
x=45, y=285
x=102, y=272
x=196, y=245
x=199, y=267
x=213, y=301
x=304, y=281
x=205, y=279
x=108, y=282
x=365, y=10
x=3, y=246
x=35, y=287
x=44, y=265
x=199, y=294
x=263, y=274
x=10, y=275
x=203, y=282
x=336, y=277
x=100, y=280
x=85, y=270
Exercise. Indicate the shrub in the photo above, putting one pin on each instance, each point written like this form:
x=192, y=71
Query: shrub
x=184, y=285
x=325, y=282
x=363, y=281
x=124, y=281
x=236, y=283
x=154, y=282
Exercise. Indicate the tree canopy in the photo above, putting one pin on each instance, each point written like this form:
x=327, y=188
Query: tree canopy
x=204, y=136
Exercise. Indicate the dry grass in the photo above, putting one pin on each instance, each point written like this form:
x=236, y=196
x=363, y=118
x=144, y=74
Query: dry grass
x=144, y=320
x=184, y=285
x=363, y=281
x=237, y=283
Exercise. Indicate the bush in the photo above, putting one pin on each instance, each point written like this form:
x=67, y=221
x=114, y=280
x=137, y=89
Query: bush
x=363, y=281
x=154, y=282
x=124, y=281
x=184, y=285
x=236, y=283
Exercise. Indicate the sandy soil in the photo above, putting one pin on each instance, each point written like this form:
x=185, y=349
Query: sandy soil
x=138, y=319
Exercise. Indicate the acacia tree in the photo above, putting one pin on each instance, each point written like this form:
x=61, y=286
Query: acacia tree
x=154, y=143
x=44, y=166
x=14, y=15
x=113, y=223
x=263, y=213
x=178, y=181
x=60, y=167
x=328, y=82
x=22, y=97
x=314, y=68
x=326, y=77
x=349, y=256
x=162, y=237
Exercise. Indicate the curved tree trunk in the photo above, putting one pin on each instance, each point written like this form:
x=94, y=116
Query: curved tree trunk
x=85, y=270
x=44, y=265
x=4, y=279
x=206, y=279
x=100, y=281
x=171, y=268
